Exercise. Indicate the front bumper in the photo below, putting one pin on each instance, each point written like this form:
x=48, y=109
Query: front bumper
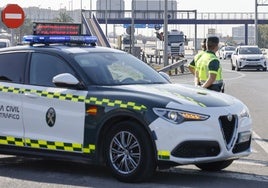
x=215, y=139
x=252, y=64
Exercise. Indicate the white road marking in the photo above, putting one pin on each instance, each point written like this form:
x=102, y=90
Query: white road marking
x=221, y=174
x=241, y=162
x=240, y=75
x=262, y=143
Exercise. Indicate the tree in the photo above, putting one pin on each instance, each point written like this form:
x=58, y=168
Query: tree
x=263, y=36
x=64, y=17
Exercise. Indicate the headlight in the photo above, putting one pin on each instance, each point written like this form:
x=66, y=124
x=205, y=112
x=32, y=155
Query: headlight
x=244, y=113
x=178, y=116
x=243, y=59
x=262, y=58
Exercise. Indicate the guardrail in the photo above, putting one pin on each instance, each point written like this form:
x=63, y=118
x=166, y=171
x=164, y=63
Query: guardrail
x=179, y=64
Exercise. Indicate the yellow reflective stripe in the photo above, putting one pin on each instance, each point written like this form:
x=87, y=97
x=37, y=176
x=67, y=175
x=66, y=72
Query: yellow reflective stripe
x=163, y=154
x=213, y=72
x=77, y=98
x=8, y=140
x=51, y=145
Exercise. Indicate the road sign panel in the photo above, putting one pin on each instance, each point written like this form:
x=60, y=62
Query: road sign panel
x=135, y=25
x=13, y=16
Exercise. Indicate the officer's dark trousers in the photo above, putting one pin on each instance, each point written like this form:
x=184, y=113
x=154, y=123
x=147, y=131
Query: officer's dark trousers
x=217, y=87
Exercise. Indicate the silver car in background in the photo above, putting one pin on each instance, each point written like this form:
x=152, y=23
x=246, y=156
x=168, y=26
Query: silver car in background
x=248, y=57
x=226, y=52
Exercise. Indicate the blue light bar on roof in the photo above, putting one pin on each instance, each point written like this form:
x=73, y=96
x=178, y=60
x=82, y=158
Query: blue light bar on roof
x=77, y=39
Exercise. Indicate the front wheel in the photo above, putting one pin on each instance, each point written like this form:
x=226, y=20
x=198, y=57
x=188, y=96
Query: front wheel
x=237, y=68
x=129, y=152
x=214, y=166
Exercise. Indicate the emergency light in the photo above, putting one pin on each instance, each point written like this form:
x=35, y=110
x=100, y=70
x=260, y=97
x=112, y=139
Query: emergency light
x=50, y=39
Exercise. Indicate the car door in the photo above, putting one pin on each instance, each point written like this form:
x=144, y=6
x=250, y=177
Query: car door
x=52, y=120
x=12, y=67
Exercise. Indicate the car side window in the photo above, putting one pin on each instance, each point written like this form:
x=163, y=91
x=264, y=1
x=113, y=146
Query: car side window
x=44, y=67
x=12, y=66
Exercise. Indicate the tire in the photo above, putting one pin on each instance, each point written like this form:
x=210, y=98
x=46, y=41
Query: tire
x=237, y=68
x=214, y=166
x=264, y=69
x=129, y=152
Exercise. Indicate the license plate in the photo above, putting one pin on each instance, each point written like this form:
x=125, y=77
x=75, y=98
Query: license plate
x=244, y=136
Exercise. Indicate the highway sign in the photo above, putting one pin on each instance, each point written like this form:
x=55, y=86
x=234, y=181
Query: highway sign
x=135, y=25
x=13, y=16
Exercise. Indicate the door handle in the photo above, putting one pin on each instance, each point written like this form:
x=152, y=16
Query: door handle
x=31, y=95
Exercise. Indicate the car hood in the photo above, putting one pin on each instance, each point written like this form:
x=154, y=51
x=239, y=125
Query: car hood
x=180, y=93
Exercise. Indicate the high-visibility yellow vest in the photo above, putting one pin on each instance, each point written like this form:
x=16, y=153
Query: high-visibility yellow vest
x=203, y=64
x=196, y=58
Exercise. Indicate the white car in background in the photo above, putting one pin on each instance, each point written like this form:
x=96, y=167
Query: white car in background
x=4, y=43
x=248, y=57
x=226, y=52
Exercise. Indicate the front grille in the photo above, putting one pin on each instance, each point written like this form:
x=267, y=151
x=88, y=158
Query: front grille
x=252, y=59
x=228, y=126
x=175, y=50
x=240, y=147
x=196, y=148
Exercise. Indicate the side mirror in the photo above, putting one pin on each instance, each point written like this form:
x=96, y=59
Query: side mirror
x=165, y=75
x=65, y=80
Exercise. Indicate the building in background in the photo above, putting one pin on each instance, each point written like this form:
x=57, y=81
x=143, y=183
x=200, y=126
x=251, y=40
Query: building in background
x=37, y=14
x=110, y=9
x=141, y=8
x=238, y=34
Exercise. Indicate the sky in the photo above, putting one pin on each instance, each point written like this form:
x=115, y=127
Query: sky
x=199, y=5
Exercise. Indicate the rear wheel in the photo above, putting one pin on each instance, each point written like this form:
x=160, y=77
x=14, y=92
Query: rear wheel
x=129, y=152
x=214, y=166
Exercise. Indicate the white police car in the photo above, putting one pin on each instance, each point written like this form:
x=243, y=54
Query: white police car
x=82, y=102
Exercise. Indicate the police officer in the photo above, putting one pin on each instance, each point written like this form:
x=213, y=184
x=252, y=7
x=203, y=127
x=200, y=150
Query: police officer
x=193, y=64
x=209, y=70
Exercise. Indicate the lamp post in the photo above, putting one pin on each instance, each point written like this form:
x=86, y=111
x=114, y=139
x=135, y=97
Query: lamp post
x=106, y=21
x=165, y=33
x=132, y=36
x=256, y=22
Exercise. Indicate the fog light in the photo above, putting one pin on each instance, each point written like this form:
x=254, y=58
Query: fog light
x=244, y=137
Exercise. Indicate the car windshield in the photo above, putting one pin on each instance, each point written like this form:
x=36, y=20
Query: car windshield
x=250, y=50
x=117, y=69
x=230, y=48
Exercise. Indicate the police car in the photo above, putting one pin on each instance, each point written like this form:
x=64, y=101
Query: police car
x=66, y=98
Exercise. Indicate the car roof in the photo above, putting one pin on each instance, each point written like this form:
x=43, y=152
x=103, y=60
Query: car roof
x=63, y=48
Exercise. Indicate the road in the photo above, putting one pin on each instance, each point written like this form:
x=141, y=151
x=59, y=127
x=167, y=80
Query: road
x=248, y=86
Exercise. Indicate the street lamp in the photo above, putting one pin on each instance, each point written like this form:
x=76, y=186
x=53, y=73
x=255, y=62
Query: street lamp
x=106, y=22
x=165, y=33
x=256, y=22
x=132, y=36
